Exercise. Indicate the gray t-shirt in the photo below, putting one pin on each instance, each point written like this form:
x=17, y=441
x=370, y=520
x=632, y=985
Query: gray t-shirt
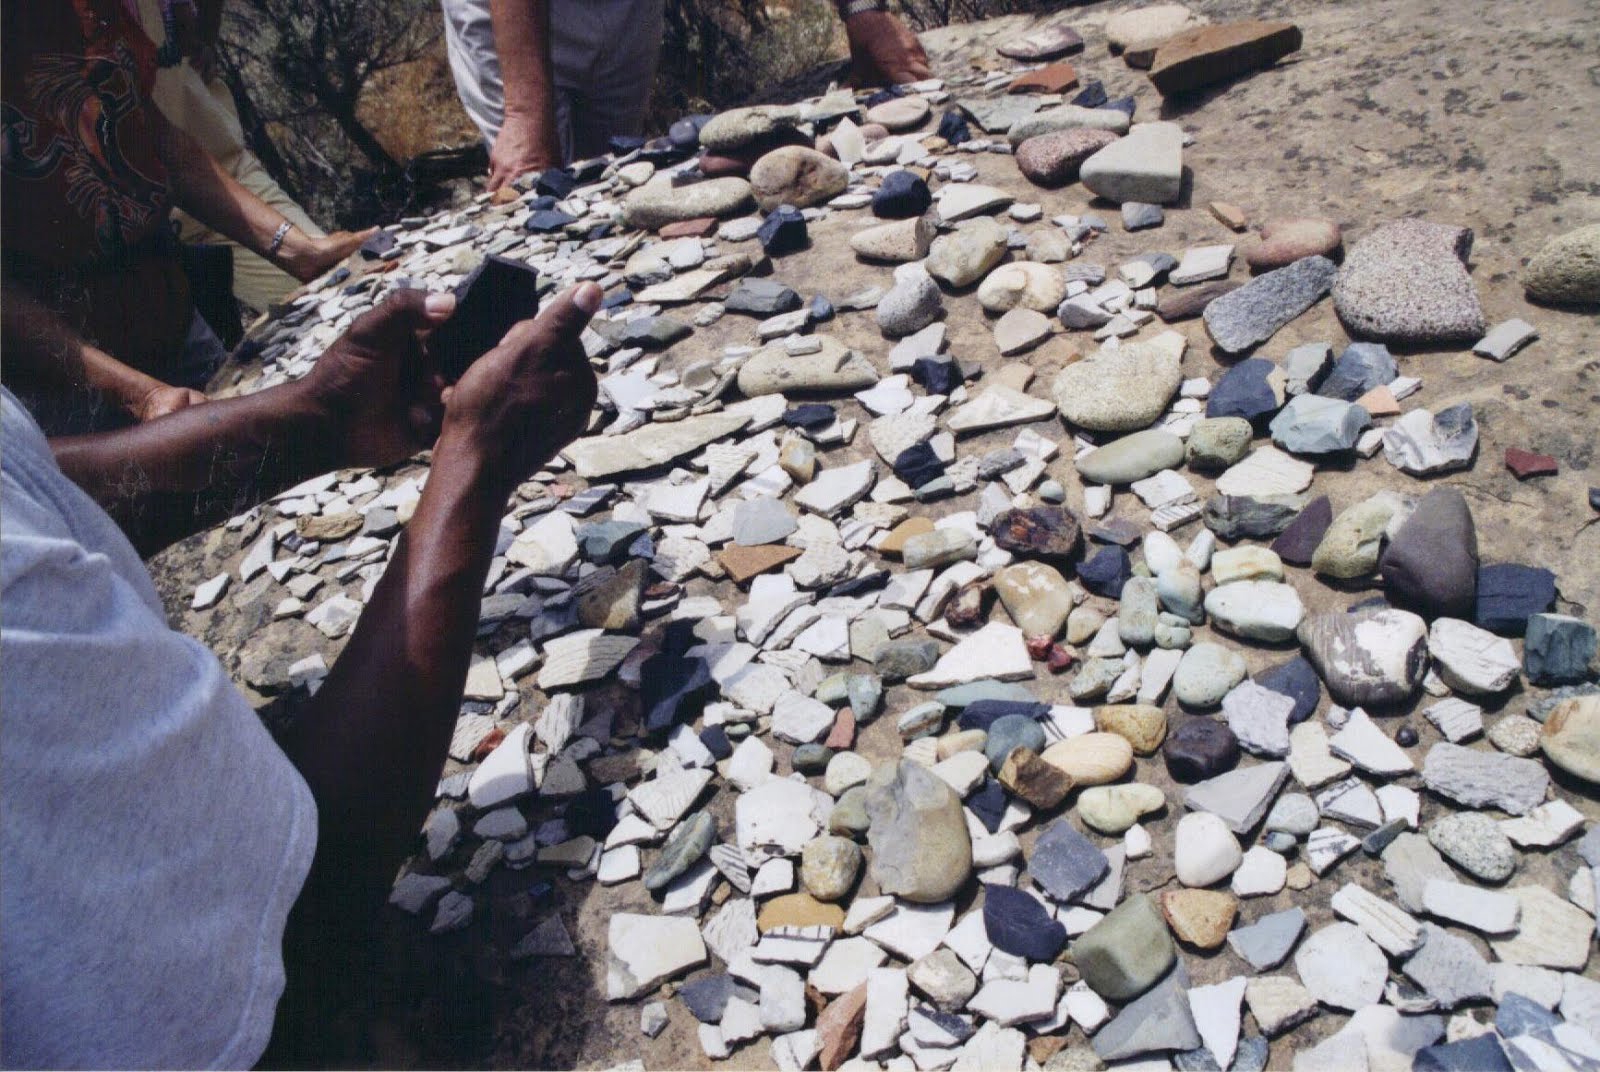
x=153, y=837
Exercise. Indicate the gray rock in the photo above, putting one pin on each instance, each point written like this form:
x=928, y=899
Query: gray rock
x=1136, y=614
x=1252, y=314
x=1422, y=443
x=1407, y=282
x=1141, y=216
x=1206, y=674
x=921, y=851
x=1449, y=968
x=762, y=520
x=1558, y=649
x=1133, y=457
x=690, y=841
x=1566, y=270
x=658, y=202
x=1121, y=390
x=1064, y=863
x=741, y=127
x=1485, y=779
x=899, y=659
x=911, y=305
x=756, y=296
x=1474, y=843
x=1432, y=561
x=1239, y=797
x=1266, y=942
x=1127, y=951
x=1311, y=424
x=965, y=255
x=1157, y=1022
x=1218, y=442
x=829, y=866
x=1145, y=165
x=1305, y=366
x=1237, y=517
x=1066, y=117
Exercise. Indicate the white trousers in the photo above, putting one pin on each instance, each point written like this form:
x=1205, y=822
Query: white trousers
x=603, y=54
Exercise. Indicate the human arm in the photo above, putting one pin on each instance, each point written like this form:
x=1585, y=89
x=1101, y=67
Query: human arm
x=204, y=189
x=43, y=349
x=883, y=50
x=528, y=140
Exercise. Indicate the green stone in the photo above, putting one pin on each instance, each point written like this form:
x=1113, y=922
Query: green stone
x=1124, y=954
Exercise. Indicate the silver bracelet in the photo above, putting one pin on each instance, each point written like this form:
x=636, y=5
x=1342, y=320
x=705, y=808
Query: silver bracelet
x=859, y=7
x=278, y=236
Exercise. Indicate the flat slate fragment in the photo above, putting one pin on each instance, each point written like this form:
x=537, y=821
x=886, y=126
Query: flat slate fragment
x=1210, y=54
x=1253, y=314
x=1481, y=779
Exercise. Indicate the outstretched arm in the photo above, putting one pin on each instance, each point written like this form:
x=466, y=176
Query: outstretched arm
x=43, y=349
x=205, y=190
x=883, y=50
x=528, y=139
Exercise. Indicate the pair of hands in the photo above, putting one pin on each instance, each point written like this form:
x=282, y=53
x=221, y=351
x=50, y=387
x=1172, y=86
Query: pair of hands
x=508, y=414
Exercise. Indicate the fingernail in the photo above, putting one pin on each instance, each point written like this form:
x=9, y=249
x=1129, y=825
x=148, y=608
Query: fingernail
x=587, y=298
x=441, y=303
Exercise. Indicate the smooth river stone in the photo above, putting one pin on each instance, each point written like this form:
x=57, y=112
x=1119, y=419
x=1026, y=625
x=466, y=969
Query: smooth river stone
x=1369, y=657
x=1121, y=390
x=1133, y=457
x=658, y=202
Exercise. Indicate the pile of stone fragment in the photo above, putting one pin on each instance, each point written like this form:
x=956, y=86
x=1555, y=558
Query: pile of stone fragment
x=770, y=548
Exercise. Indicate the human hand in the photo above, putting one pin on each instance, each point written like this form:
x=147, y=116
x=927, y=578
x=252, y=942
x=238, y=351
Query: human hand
x=528, y=397
x=375, y=386
x=163, y=399
x=883, y=50
x=305, y=257
x=523, y=145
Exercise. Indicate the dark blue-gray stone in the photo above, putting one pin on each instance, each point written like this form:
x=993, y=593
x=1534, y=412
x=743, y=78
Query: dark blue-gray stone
x=1362, y=366
x=1018, y=924
x=902, y=194
x=1296, y=679
x=549, y=220
x=605, y=542
x=783, y=231
x=1431, y=563
x=937, y=375
x=1251, y=1055
x=707, y=997
x=1106, y=572
x=715, y=738
x=376, y=247
x=918, y=464
x=809, y=415
x=1156, y=1022
x=1509, y=594
x=1243, y=391
x=761, y=297
x=865, y=693
x=982, y=713
x=1375, y=842
x=1297, y=543
x=1558, y=649
x=953, y=128
x=1480, y=1054
x=1519, y=1015
x=821, y=309
x=812, y=758
x=1008, y=732
x=1200, y=748
x=988, y=803
x=1237, y=517
x=899, y=659
x=1065, y=863
x=1265, y=943
x=1092, y=95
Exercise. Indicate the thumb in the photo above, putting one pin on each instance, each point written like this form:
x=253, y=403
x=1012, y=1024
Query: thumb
x=394, y=322
x=562, y=321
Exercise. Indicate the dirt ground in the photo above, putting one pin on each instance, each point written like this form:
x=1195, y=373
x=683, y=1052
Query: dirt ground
x=1479, y=114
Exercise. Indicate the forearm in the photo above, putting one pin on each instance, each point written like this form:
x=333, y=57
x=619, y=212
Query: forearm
x=169, y=478
x=522, y=41
x=44, y=350
x=205, y=190
x=372, y=741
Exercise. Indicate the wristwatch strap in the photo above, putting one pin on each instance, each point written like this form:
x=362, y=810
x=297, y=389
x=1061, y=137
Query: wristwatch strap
x=858, y=7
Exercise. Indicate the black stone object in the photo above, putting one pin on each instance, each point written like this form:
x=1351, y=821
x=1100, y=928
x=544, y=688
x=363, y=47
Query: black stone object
x=1431, y=564
x=548, y=220
x=1296, y=679
x=1199, y=749
x=591, y=812
x=1405, y=736
x=1362, y=366
x=1244, y=391
x=707, y=997
x=783, y=231
x=685, y=133
x=1092, y=95
x=1297, y=543
x=918, y=464
x=936, y=375
x=902, y=195
x=821, y=309
x=495, y=295
x=761, y=297
x=715, y=738
x=1018, y=924
x=1106, y=572
x=809, y=415
x=981, y=714
x=953, y=128
x=1480, y=1054
x=555, y=182
x=989, y=803
x=1509, y=593
x=1125, y=105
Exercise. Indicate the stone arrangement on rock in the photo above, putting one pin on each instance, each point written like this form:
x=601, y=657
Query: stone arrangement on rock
x=856, y=665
